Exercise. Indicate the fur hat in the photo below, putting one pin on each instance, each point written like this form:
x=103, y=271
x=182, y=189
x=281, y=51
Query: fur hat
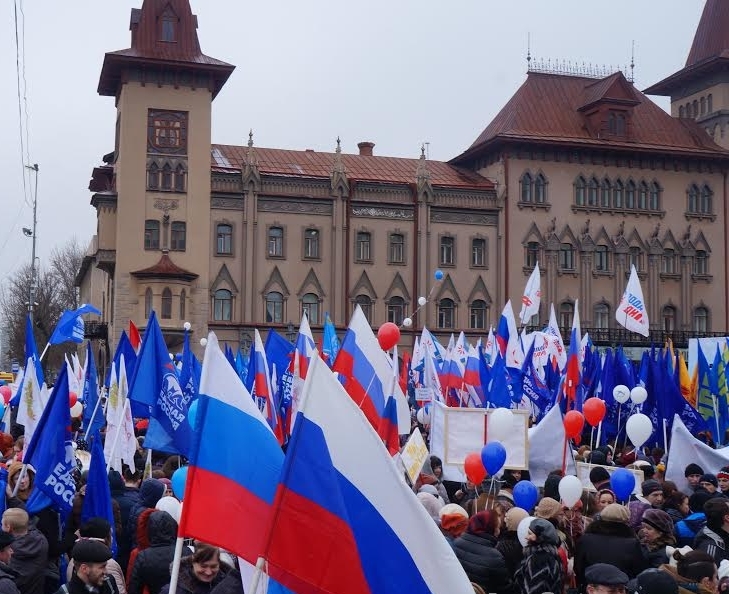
x=483, y=522
x=513, y=517
x=547, y=508
x=658, y=519
x=615, y=513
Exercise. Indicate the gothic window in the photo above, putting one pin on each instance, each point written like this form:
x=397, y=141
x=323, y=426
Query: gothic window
x=693, y=198
x=701, y=320
x=602, y=258
x=701, y=262
x=363, y=247
x=310, y=307
x=705, y=205
x=526, y=188
x=151, y=235
x=166, y=304
x=702, y=103
x=222, y=305
x=274, y=307
x=166, y=177
x=311, y=244
x=592, y=192
x=540, y=189
x=605, y=193
x=365, y=302
x=642, y=196
x=167, y=132
x=695, y=108
x=580, y=191
x=566, y=314
x=224, y=239
x=532, y=254
x=275, y=242
x=630, y=195
x=602, y=316
x=397, y=248
x=655, y=196
x=635, y=258
x=446, y=313
x=669, y=261
x=180, y=178
x=709, y=103
x=566, y=256
x=153, y=177
x=478, y=314
x=618, y=194
x=447, y=248
x=148, y=303
x=478, y=252
x=183, y=297
x=178, y=236
x=396, y=310
x=669, y=318
x=168, y=26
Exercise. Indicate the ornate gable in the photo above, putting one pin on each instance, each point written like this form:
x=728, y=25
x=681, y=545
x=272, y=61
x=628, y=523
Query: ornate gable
x=447, y=289
x=533, y=234
x=398, y=288
x=480, y=291
x=275, y=282
x=604, y=239
x=311, y=282
x=700, y=242
x=224, y=280
x=363, y=285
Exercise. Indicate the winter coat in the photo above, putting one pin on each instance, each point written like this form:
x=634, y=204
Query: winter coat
x=150, y=493
x=29, y=560
x=540, y=571
x=685, y=586
x=688, y=528
x=189, y=584
x=510, y=548
x=655, y=558
x=482, y=563
x=713, y=543
x=614, y=543
x=76, y=586
x=112, y=568
x=152, y=565
x=7, y=580
x=142, y=542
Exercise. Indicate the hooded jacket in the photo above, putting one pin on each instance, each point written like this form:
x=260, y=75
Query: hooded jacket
x=29, y=560
x=150, y=493
x=189, y=584
x=541, y=569
x=7, y=580
x=688, y=528
x=711, y=542
x=152, y=565
x=482, y=563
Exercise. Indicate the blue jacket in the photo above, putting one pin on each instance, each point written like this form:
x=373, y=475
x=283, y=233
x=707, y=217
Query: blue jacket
x=688, y=528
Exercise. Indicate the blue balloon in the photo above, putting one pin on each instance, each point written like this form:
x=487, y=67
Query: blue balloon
x=179, y=480
x=622, y=482
x=192, y=414
x=438, y=275
x=525, y=495
x=493, y=456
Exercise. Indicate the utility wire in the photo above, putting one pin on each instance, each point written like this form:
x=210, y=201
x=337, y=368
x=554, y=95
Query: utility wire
x=21, y=93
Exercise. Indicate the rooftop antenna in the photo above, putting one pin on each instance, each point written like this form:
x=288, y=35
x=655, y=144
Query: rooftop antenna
x=425, y=149
x=529, y=51
x=632, y=62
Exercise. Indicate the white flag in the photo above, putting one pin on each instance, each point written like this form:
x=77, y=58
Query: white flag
x=556, y=344
x=631, y=312
x=32, y=401
x=119, y=449
x=532, y=297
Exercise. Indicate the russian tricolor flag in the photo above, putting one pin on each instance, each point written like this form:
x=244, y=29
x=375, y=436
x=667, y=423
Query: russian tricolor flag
x=262, y=390
x=345, y=519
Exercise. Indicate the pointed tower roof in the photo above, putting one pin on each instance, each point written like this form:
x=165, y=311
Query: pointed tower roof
x=709, y=51
x=165, y=269
x=164, y=33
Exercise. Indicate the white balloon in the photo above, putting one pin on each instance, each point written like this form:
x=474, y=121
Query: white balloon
x=423, y=415
x=638, y=395
x=639, y=429
x=522, y=530
x=501, y=424
x=407, y=322
x=77, y=409
x=187, y=326
x=570, y=490
x=621, y=393
x=203, y=341
x=422, y=301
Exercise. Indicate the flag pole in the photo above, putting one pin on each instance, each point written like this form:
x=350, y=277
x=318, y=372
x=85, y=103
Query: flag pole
x=174, y=575
x=45, y=350
x=116, y=438
x=93, y=416
x=21, y=476
x=260, y=563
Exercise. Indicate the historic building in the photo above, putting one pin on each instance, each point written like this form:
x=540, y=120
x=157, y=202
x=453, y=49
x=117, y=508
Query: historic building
x=581, y=172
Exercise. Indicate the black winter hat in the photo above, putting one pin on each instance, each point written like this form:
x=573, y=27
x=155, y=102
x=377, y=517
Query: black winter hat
x=693, y=468
x=6, y=539
x=709, y=478
x=90, y=551
x=599, y=475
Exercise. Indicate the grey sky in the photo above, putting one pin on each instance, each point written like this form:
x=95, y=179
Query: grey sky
x=394, y=72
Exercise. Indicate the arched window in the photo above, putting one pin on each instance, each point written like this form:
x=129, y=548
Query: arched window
x=168, y=28
x=447, y=250
x=695, y=108
x=693, y=198
x=592, y=191
x=183, y=297
x=365, y=302
x=540, y=189
x=446, y=313
x=396, y=310
x=580, y=191
x=310, y=307
x=605, y=193
x=618, y=195
x=706, y=200
x=630, y=195
x=602, y=316
x=153, y=177
x=148, y=303
x=636, y=258
x=222, y=305
x=532, y=254
x=166, y=304
x=701, y=262
x=668, y=315
x=681, y=111
x=566, y=314
x=526, y=187
x=274, y=307
x=602, y=258
x=702, y=103
x=642, y=196
x=655, y=197
x=701, y=320
x=478, y=314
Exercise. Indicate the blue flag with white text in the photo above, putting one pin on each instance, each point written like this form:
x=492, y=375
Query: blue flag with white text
x=70, y=325
x=93, y=411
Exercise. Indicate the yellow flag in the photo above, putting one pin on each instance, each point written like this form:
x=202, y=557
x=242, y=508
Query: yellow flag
x=688, y=384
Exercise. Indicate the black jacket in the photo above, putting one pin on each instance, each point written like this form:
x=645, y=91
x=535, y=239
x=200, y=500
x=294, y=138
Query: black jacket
x=511, y=549
x=7, y=580
x=188, y=584
x=541, y=570
x=152, y=565
x=150, y=493
x=29, y=560
x=713, y=542
x=482, y=563
x=614, y=543
x=76, y=586
x=127, y=498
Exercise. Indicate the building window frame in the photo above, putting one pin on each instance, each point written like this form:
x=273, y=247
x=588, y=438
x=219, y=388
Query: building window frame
x=223, y=305
x=310, y=305
x=178, y=236
x=479, y=252
x=363, y=246
x=446, y=313
x=366, y=303
x=151, y=234
x=312, y=237
x=223, y=239
x=701, y=320
x=275, y=236
x=567, y=257
x=447, y=250
x=166, y=308
x=701, y=262
x=396, y=248
x=478, y=314
x=274, y=307
x=396, y=310
x=531, y=254
x=601, y=258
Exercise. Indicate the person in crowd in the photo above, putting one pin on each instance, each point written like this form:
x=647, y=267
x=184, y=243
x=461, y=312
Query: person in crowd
x=168, y=487
x=695, y=572
x=604, y=498
x=653, y=581
x=603, y=578
x=574, y=522
x=508, y=542
x=600, y=478
x=723, y=574
x=541, y=569
x=551, y=484
x=7, y=574
x=505, y=494
x=713, y=538
x=709, y=483
x=722, y=478
x=652, y=492
x=551, y=510
x=609, y=539
x=689, y=527
x=677, y=506
x=99, y=529
x=476, y=550
x=428, y=477
x=26, y=485
x=150, y=493
x=693, y=473
x=30, y=551
x=125, y=491
x=453, y=521
x=142, y=541
x=202, y=572
x=432, y=504
x=89, y=575
x=655, y=535
x=152, y=565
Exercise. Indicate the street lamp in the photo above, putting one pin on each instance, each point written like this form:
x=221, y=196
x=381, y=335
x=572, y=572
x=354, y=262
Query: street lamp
x=32, y=233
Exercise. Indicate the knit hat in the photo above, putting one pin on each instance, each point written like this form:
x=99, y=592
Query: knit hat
x=658, y=519
x=597, y=457
x=453, y=524
x=547, y=508
x=6, y=539
x=698, y=499
x=653, y=581
x=650, y=486
x=90, y=551
x=709, y=478
x=544, y=531
x=431, y=504
x=429, y=489
x=723, y=473
x=513, y=517
x=693, y=468
x=483, y=522
x=453, y=509
x=599, y=475
x=615, y=513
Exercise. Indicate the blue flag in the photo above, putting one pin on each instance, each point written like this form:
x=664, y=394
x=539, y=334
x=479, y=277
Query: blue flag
x=70, y=326
x=124, y=347
x=50, y=452
x=330, y=342
x=97, y=501
x=190, y=371
x=156, y=385
x=93, y=411
x=499, y=395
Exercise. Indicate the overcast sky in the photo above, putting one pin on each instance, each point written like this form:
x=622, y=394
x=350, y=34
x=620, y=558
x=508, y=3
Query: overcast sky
x=395, y=72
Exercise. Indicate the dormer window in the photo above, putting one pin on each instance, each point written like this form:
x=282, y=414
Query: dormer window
x=168, y=26
x=616, y=123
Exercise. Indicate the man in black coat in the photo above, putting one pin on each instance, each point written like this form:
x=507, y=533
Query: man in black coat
x=89, y=575
x=7, y=575
x=125, y=491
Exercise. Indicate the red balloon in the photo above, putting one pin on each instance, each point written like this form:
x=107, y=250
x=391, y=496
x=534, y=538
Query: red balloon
x=573, y=423
x=6, y=393
x=388, y=336
x=72, y=399
x=594, y=410
x=475, y=472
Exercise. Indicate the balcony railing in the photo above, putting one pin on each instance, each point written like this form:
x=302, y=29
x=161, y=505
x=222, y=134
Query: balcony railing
x=621, y=336
x=96, y=330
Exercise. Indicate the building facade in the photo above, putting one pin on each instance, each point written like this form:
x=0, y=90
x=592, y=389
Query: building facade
x=584, y=174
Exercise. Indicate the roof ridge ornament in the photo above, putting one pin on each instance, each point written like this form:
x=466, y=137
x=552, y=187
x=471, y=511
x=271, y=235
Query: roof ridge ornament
x=570, y=68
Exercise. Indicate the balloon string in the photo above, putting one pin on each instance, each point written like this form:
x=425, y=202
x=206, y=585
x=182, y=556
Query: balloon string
x=427, y=299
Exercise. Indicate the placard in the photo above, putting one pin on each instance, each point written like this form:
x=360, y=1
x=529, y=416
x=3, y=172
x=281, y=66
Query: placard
x=414, y=454
x=423, y=394
x=583, y=473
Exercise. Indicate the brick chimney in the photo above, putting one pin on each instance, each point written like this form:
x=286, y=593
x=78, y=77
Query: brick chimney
x=365, y=148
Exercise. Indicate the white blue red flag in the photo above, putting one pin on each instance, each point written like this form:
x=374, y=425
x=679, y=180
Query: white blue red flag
x=631, y=312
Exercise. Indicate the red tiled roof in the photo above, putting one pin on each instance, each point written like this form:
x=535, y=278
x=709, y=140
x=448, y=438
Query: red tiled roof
x=546, y=109
x=165, y=268
x=364, y=168
x=712, y=34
